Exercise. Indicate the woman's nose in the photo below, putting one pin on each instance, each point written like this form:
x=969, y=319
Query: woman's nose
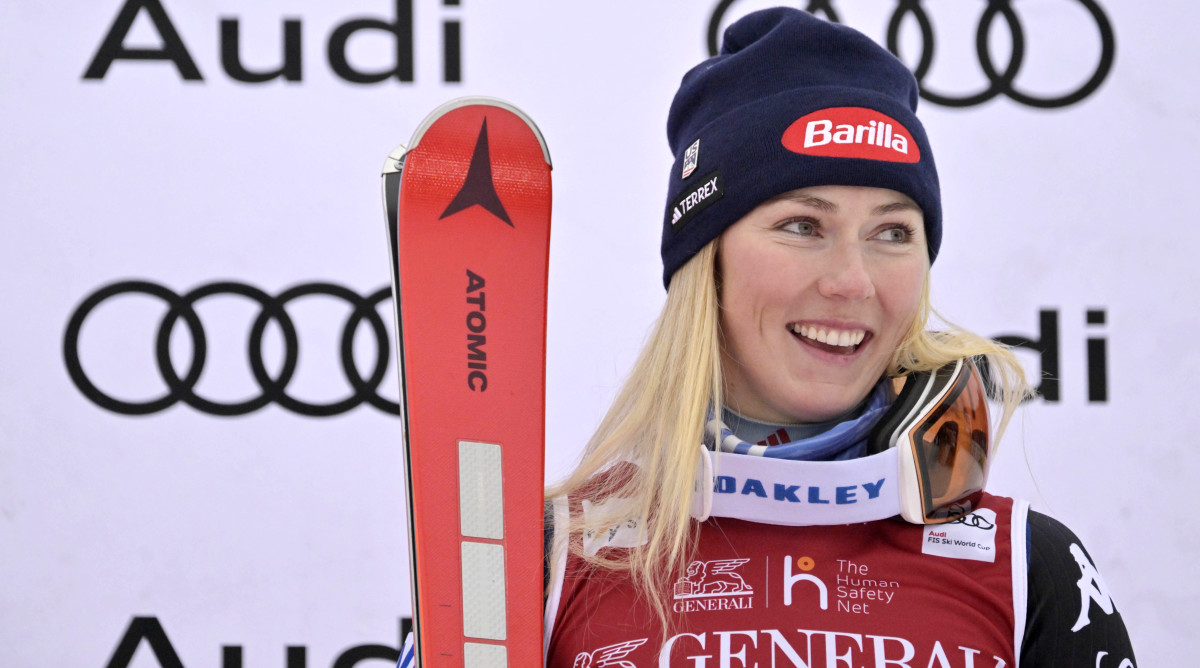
x=846, y=276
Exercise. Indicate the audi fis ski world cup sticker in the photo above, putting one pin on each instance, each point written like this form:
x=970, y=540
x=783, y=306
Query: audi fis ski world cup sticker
x=971, y=536
x=851, y=132
x=699, y=197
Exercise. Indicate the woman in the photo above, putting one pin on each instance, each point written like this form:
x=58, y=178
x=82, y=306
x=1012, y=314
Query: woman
x=803, y=215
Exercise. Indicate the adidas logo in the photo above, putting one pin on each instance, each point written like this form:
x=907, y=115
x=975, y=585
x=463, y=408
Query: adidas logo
x=778, y=438
x=691, y=202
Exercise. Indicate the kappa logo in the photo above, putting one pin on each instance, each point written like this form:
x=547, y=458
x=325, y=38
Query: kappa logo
x=851, y=132
x=690, y=158
x=612, y=656
x=1091, y=589
x=713, y=578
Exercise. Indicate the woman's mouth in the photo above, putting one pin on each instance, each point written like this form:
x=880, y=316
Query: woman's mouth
x=829, y=339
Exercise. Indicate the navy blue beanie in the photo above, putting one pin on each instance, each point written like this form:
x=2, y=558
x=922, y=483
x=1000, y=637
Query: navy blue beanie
x=792, y=101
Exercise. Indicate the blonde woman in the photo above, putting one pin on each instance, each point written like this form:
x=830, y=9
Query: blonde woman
x=793, y=473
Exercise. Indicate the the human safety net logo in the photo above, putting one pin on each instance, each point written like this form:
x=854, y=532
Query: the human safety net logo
x=721, y=584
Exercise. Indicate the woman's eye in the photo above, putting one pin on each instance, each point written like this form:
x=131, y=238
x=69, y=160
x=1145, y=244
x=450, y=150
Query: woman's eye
x=802, y=227
x=895, y=234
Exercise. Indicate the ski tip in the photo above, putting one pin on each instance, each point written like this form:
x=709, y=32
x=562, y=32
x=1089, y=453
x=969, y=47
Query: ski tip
x=395, y=161
x=485, y=101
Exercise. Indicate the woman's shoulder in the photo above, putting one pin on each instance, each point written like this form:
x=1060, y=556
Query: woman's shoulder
x=1072, y=619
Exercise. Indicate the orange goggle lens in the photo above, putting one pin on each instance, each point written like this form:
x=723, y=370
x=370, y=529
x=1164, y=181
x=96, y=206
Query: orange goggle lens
x=940, y=423
x=950, y=446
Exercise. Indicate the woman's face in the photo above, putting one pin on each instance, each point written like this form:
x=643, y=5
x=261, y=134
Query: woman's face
x=818, y=287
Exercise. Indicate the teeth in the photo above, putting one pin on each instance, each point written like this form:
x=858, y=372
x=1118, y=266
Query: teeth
x=835, y=337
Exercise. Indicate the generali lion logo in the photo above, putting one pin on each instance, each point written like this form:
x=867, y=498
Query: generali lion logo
x=713, y=578
x=612, y=656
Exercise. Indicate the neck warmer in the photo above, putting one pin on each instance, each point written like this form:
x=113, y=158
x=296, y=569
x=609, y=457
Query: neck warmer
x=846, y=440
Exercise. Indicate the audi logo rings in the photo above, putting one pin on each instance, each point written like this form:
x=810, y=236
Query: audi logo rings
x=182, y=387
x=1001, y=80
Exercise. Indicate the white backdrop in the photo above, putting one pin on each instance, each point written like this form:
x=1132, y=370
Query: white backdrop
x=226, y=536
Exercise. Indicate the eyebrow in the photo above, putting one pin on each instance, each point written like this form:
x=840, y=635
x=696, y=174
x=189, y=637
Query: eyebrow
x=895, y=206
x=830, y=207
x=809, y=200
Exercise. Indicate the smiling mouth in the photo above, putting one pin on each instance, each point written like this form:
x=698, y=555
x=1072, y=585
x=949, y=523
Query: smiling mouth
x=828, y=339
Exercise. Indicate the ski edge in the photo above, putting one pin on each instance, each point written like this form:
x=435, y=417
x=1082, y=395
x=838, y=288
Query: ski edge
x=391, y=175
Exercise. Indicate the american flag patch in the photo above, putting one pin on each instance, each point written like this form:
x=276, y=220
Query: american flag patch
x=690, y=158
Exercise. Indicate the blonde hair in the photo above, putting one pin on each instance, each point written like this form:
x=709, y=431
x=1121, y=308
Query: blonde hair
x=657, y=421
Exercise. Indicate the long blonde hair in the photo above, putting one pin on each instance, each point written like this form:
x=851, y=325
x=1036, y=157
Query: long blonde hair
x=657, y=422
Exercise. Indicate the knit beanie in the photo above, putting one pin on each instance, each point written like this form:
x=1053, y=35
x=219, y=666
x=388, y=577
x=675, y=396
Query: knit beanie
x=791, y=101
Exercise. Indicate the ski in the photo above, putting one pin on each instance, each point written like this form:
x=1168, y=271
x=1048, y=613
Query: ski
x=468, y=216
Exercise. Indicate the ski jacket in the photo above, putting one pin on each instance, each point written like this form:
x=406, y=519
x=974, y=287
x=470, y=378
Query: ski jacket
x=999, y=587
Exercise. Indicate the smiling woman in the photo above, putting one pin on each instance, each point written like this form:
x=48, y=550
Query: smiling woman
x=792, y=427
x=819, y=286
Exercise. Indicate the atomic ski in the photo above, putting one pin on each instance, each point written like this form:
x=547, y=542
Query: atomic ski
x=468, y=216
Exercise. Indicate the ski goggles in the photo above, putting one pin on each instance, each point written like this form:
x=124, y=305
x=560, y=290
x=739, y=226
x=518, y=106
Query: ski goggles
x=939, y=424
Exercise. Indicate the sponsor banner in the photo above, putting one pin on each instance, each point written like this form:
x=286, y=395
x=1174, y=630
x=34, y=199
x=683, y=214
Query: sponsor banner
x=799, y=647
x=799, y=493
x=699, y=197
x=198, y=398
x=851, y=132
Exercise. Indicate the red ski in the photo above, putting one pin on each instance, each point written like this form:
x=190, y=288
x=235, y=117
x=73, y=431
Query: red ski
x=468, y=206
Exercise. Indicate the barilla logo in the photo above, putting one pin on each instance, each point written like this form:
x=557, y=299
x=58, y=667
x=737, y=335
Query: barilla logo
x=851, y=132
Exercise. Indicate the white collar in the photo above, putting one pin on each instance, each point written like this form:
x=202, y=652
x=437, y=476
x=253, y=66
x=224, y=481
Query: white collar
x=796, y=493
